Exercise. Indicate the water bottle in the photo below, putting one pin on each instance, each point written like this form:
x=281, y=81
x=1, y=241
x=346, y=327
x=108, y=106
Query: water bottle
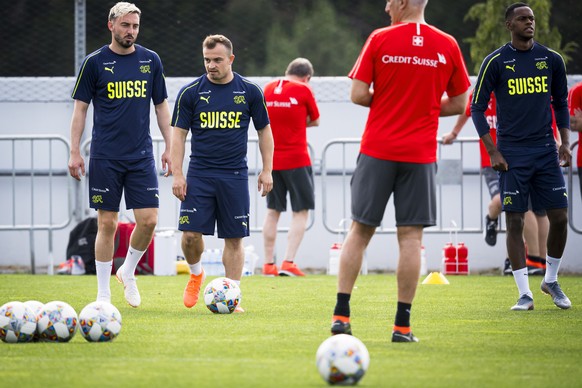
x=450, y=258
x=334, y=255
x=462, y=257
x=423, y=270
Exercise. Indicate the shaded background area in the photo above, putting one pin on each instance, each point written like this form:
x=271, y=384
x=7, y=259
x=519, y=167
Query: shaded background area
x=38, y=36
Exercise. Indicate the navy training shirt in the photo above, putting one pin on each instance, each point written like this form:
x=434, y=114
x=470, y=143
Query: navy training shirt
x=524, y=83
x=219, y=115
x=121, y=88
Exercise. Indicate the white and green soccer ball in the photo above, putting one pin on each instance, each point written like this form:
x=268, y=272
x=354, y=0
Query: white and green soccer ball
x=17, y=322
x=342, y=360
x=222, y=295
x=100, y=322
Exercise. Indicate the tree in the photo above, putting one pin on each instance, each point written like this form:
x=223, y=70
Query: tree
x=319, y=34
x=491, y=32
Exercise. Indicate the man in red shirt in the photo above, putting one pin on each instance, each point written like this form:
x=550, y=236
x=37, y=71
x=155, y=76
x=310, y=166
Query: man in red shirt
x=292, y=107
x=575, y=101
x=410, y=65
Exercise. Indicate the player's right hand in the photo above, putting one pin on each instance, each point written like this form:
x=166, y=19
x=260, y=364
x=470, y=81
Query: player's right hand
x=76, y=166
x=498, y=162
x=179, y=187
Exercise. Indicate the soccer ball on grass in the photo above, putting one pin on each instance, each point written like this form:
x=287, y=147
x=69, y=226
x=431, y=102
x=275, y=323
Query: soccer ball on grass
x=342, y=360
x=222, y=295
x=100, y=322
x=36, y=308
x=57, y=322
x=17, y=322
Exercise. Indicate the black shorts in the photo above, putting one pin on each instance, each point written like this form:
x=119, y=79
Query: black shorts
x=137, y=180
x=413, y=185
x=299, y=183
x=211, y=201
x=534, y=175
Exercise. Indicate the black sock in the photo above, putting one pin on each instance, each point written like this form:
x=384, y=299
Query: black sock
x=403, y=315
x=537, y=259
x=342, y=306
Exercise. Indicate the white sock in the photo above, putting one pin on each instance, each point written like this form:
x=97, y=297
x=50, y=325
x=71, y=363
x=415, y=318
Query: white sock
x=237, y=282
x=196, y=269
x=552, y=267
x=522, y=281
x=131, y=259
x=103, y=269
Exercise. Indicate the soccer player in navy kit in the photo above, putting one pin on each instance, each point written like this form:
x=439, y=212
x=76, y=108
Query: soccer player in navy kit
x=217, y=108
x=526, y=77
x=121, y=79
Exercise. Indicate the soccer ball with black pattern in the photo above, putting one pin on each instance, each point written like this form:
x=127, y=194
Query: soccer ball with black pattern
x=100, y=322
x=222, y=295
x=17, y=322
x=57, y=322
x=342, y=359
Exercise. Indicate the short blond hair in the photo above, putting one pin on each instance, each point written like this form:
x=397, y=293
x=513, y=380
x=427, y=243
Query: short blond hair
x=121, y=9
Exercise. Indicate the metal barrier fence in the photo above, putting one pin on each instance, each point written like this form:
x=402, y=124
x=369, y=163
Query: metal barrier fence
x=455, y=196
x=35, y=181
x=169, y=218
x=39, y=195
x=573, y=204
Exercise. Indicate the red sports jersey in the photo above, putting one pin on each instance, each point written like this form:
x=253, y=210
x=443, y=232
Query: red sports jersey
x=289, y=104
x=575, y=101
x=491, y=116
x=409, y=66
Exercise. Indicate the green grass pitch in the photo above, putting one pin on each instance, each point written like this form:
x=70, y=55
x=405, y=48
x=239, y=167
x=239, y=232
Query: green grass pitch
x=468, y=335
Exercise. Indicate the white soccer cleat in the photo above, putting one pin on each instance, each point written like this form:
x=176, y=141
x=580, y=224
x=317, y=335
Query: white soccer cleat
x=129, y=288
x=524, y=303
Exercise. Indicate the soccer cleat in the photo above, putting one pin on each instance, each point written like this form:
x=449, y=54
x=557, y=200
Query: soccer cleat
x=270, y=270
x=490, y=231
x=535, y=265
x=192, y=289
x=524, y=303
x=553, y=289
x=507, y=267
x=535, y=271
x=238, y=310
x=129, y=287
x=339, y=327
x=397, y=336
x=289, y=268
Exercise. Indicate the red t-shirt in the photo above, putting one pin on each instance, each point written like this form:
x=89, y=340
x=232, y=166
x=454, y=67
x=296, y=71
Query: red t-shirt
x=289, y=103
x=491, y=116
x=575, y=102
x=409, y=66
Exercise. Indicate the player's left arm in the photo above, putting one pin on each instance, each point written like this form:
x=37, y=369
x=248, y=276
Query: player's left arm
x=455, y=105
x=163, y=118
x=267, y=147
x=361, y=93
x=559, y=90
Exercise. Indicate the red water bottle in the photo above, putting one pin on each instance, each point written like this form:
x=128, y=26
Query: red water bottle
x=450, y=258
x=462, y=257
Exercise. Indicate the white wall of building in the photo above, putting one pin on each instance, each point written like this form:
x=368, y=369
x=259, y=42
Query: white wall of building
x=338, y=120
